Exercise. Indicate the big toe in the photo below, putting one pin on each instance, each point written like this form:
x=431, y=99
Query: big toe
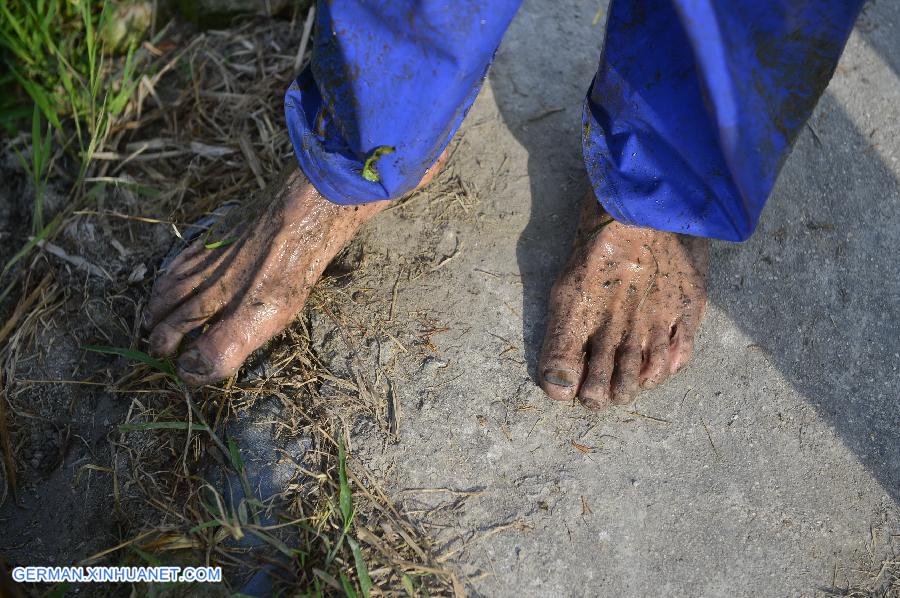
x=214, y=357
x=195, y=368
x=219, y=352
x=562, y=365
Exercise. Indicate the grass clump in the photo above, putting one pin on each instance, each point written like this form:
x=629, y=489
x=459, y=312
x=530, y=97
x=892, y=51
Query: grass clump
x=176, y=480
x=57, y=61
x=333, y=533
x=54, y=52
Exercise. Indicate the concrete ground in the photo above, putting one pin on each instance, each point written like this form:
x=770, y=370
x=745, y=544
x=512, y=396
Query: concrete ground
x=770, y=467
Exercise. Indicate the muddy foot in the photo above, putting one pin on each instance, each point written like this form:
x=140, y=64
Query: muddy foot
x=624, y=311
x=246, y=282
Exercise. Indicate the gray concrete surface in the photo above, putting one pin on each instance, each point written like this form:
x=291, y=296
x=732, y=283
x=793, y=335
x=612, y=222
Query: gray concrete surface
x=770, y=467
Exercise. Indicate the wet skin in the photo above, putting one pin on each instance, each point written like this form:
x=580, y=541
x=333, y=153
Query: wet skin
x=624, y=311
x=622, y=314
x=242, y=294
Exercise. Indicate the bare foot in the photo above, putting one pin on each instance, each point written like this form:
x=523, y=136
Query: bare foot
x=255, y=282
x=624, y=311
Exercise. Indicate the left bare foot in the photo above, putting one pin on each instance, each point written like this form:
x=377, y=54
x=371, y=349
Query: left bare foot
x=624, y=311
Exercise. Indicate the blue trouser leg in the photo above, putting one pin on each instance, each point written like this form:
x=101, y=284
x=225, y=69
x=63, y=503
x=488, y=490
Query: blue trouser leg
x=696, y=104
x=691, y=114
x=389, y=84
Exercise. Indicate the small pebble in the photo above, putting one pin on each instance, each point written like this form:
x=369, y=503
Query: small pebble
x=432, y=364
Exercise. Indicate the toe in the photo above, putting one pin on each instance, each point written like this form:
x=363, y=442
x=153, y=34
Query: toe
x=212, y=357
x=560, y=379
x=164, y=339
x=189, y=253
x=222, y=348
x=596, y=393
x=626, y=373
x=681, y=337
x=562, y=364
x=681, y=347
x=170, y=288
x=195, y=368
x=655, y=367
x=167, y=334
x=169, y=292
x=181, y=281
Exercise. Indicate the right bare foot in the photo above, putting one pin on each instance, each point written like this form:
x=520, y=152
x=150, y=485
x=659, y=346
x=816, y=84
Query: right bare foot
x=246, y=291
x=624, y=311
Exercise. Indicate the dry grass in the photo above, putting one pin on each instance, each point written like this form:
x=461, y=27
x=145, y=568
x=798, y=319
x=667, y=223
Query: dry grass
x=878, y=573
x=880, y=580
x=205, y=127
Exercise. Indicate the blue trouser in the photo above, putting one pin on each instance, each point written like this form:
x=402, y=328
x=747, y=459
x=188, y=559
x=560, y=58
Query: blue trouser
x=690, y=116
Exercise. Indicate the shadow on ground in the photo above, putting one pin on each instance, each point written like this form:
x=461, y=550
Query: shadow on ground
x=816, y=288
x=879, y=24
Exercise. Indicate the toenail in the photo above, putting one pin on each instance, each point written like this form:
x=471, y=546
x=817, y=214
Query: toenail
x=625, y=393
x=193, y=362
x=648, y=384
x=560, y=377
x=146, y=321
x=591, y=403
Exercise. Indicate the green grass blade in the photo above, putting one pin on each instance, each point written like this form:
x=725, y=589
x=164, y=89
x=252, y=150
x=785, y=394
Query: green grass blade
x=23, y=163
x=128, y=84
x=407, y=583
x=348, y=587
x=162, y=366
x=74, y=99
x=90, y=39
x=235, y=453
x=272, y=541
x=362, y=570
x=40, y=160
x=21, y=52
x=39, y=29
x=222, y=243
x=37, y=144
x=40, y=97
x=141, y=427
x=205, y=525
x=345, y=497
x=12, y=21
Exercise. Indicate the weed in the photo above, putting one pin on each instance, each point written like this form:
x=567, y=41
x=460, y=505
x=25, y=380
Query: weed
x=39, y=167
x=52, y=50
x=332, y=531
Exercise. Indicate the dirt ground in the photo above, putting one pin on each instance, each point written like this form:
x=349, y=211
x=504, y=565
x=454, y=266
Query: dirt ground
x=770, y=467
